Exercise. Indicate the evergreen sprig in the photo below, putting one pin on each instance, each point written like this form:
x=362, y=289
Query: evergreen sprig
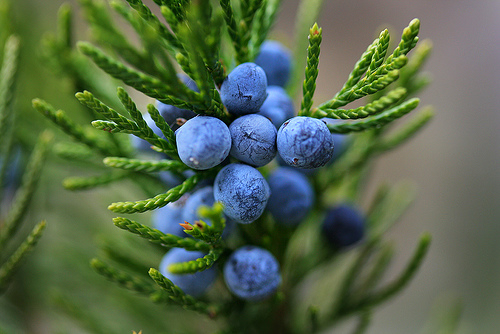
x=376, y=121
x=201, y=230
x=158, y=201
x=155, y=236
x=398, y=284
x=148, y=166
x=406, y=131
x=177, y=296
x=309, y=86
x=8, y=268
x=25, y=193
x=83, y=183
x=379, y=72
x=144, y=83
x=369, y=109
x=122, y=278
x=199, y=264
x=7, y=78
x=120, y=123
x=262, y=24
x=74, y=130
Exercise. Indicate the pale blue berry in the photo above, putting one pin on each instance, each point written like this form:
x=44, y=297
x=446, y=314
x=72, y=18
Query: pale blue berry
x=253, y=140
x=244, y=90
x=243, y=191
x=203, y=142
x=305, y=142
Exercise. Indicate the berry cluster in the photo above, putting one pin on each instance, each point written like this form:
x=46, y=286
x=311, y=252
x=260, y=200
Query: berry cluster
x=263, y=127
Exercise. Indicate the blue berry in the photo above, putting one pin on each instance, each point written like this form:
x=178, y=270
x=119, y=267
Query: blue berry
x=291, y=196
x=244, y=89
x=167, y=218
x=278, y=106
x=343, y=226
x=203, y=142
x=243, y=191
x=192, y=284
x=171, y=113
x=253, y=140
x=305, y=142
x=252, y=273
x=276, y=60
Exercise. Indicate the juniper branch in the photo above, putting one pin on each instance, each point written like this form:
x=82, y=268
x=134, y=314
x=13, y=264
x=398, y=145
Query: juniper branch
x=407, y=131
x=264, y=19
x=380, y=264
x=376, y=121
x=73, y=152
x=152, y=20
x=122, y=123
x=176, y=295
x=363, y=322
x=7, y=78
x=60, y=118
x=307, y=14
x=402, y=281
x=25, y=193
x=178, y=95
x=148, y=166
x=158, y=201
x=199, y=264
x=369, y=109
x=209, y=233
x=309, y=85
x=8, y=268
x=84, y=183
x=379, y=74
x=105, y=31
x=122, y=278
x=233, y=29
x=388, y=208
x=156, y=236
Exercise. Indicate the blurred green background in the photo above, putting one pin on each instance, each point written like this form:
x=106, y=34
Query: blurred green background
x=455, y=161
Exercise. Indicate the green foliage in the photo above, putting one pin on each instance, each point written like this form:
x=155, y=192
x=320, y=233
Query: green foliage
x=15, y=200
x=205, y=40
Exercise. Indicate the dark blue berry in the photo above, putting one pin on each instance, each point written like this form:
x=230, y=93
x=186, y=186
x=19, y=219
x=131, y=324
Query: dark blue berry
x=305, y=142
x=343, y=226
x=291, y=196
x=278, y=106
x=252, y=273
x=253, y=140
x=243, y=191
x=244, y=90
x=276, y=60
x=192, y=284
x=203, y=142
